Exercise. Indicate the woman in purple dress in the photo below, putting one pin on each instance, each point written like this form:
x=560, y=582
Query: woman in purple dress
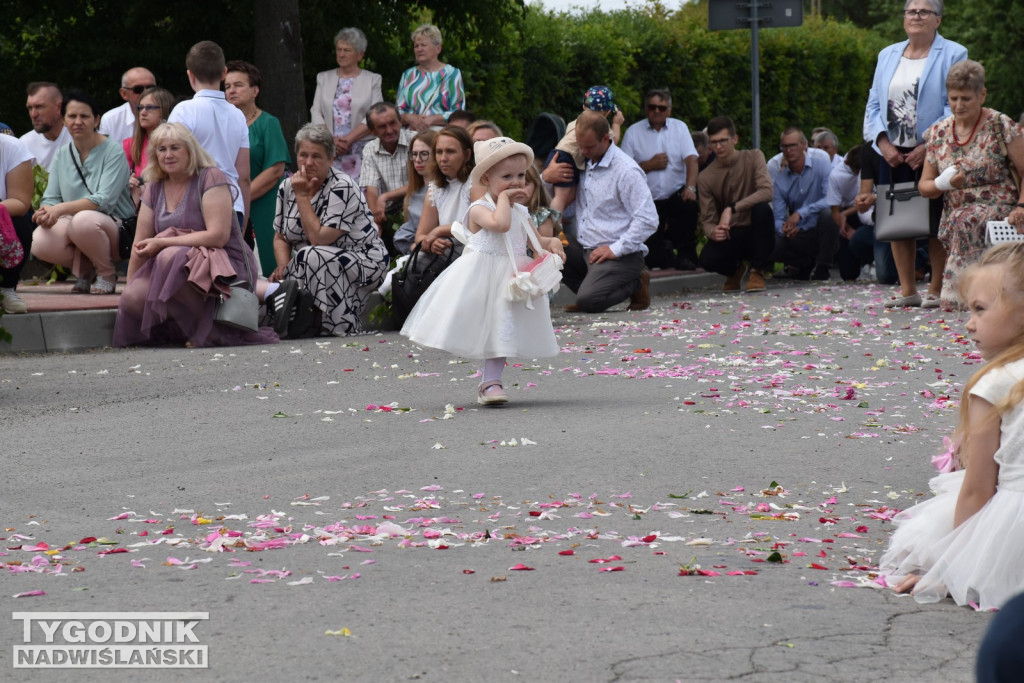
x=187, y=250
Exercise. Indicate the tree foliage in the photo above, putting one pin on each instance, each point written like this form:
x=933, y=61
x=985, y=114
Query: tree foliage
x=516, y=60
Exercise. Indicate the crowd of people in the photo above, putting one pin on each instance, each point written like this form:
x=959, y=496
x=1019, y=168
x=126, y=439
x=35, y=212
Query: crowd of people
x=652, y=195
x=185, y=191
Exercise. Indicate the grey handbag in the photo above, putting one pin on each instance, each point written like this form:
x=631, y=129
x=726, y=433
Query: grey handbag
x=901, y=213
x=242, y=308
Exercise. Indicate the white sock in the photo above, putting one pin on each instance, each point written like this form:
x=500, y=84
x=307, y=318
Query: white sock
x=271, y=288
x=493, y=367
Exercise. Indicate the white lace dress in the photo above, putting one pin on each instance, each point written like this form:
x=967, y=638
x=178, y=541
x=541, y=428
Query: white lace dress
x=980, y=561
x=465, y=311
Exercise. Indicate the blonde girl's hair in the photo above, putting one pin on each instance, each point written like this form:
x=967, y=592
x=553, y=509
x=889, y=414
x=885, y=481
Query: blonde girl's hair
x=198, y=158
x=165, y=100
x=1011, y=257
x=539, y=198
x=416, y=181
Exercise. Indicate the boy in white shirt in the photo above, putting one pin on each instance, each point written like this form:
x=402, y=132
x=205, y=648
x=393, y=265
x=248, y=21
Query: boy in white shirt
x=218, y=125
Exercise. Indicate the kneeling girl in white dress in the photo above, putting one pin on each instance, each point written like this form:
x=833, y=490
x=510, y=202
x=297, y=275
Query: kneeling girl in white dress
x=968, y=541
x=467, y=310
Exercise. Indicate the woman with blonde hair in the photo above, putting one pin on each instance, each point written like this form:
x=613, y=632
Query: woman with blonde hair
x=188, y=249
x=431, y=91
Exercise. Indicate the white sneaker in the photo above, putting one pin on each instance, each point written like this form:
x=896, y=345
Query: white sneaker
x=12, y=303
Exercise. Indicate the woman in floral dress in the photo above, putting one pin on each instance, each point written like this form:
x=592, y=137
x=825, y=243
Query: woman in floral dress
x=971, y=158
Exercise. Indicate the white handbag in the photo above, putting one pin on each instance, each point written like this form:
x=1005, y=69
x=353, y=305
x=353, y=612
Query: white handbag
x=538, y=277
x=997, y=232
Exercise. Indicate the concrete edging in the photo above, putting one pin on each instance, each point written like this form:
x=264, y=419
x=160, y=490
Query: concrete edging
x=63, y=331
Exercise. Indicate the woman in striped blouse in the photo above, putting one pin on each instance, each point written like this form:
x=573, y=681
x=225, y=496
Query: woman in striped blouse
x=430, y=91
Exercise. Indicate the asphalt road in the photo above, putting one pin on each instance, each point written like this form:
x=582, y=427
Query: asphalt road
x=688, y=493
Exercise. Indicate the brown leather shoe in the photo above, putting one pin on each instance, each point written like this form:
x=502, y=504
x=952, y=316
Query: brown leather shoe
x=641, y=298
x=732, y=283
x=755, y=281
x=573, y=308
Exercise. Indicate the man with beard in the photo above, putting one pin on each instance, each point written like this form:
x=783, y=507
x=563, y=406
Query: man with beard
x=48, y=131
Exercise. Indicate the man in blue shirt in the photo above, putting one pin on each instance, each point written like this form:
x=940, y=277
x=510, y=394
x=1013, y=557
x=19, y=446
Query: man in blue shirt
x=806, y=237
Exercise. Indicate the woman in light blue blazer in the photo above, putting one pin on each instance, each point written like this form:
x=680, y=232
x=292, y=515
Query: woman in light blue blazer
x=908, y=94
x=343, y=96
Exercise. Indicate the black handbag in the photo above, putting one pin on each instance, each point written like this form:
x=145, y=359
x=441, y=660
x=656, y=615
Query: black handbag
x=126, y=236
x=418, y=274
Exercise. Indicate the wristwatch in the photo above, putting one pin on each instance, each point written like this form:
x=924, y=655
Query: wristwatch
x=691, y=188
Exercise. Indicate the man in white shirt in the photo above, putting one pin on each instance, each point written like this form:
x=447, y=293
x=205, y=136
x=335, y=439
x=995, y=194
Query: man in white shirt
x=218, y=125
x=826, y=141
x=615, y=215
x=663, y=148
x=119, y=123
x=48, y=131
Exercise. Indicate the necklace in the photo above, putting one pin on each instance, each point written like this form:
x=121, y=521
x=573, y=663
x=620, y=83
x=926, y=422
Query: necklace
x=956, y=138
x=249, y=118
x=170, y=200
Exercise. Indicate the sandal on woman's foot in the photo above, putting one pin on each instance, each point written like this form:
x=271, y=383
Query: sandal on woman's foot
x=930, y=301
x=82, y=285
x=491, y=394
x=103, y=285
x=910, y=301
x=280, y=305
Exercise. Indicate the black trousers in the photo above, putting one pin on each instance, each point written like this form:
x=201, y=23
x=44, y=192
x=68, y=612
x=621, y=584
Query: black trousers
x=754, y=243
x=677, y=230
x=816, y=246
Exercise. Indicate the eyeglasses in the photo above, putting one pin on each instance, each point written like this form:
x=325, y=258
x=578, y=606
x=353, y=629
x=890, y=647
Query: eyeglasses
x=139, y=89
x=419, y=155
x=918, y=13
x=719, y=143
x=657, y=107
x=148, y=107
x=792, y=145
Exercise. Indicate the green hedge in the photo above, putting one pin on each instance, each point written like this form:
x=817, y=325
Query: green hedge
x=817, y=74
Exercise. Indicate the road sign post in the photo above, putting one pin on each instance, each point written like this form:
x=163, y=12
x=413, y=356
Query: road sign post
x=730, y=14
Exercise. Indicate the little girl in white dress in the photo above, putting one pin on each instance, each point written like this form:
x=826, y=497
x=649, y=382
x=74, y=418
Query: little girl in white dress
x=465, y=311
x=968, y=541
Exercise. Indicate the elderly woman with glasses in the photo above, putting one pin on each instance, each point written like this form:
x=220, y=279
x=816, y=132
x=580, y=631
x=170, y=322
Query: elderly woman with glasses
x=908, y=95
x=970, y=163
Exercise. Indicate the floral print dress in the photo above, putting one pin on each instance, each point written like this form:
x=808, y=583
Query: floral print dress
x=989, y=194
x=351, y=163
